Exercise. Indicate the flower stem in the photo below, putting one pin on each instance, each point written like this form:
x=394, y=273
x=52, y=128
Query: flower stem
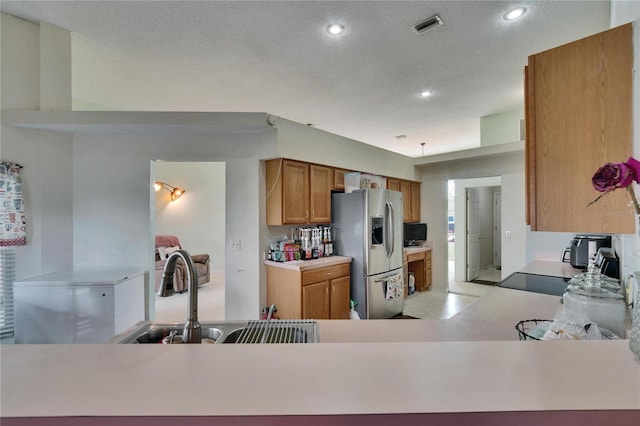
x=633, y=199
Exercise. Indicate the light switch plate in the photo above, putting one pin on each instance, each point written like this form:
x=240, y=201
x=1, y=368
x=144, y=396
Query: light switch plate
x=234, y=245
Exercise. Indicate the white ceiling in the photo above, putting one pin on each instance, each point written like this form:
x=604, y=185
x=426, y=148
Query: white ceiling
x=275, y=57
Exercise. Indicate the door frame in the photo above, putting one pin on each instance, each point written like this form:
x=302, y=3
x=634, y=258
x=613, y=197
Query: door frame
x=460, y=214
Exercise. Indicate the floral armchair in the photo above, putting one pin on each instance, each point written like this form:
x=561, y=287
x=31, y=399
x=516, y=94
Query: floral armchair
x=167, y=244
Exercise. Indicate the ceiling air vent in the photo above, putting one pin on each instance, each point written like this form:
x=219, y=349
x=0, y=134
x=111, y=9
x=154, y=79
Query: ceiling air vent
x=434, y=22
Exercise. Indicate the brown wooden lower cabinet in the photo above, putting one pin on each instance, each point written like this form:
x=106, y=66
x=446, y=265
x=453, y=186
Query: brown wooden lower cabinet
x=418, y=262
x=321, y=293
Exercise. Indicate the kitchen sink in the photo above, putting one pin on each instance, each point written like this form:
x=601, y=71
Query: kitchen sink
x=157, y=335
x=253, y=331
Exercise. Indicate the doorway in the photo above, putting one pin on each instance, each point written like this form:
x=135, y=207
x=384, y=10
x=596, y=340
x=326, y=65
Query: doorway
x=473, y=253
x=197, y=218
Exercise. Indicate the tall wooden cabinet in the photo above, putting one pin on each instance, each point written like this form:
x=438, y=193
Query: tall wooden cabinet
x=410, y=198
x=578, y=117
x=298, y=192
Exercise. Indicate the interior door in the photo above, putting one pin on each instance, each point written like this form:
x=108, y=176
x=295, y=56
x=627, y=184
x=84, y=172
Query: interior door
x=473, y=233
x=497, y=229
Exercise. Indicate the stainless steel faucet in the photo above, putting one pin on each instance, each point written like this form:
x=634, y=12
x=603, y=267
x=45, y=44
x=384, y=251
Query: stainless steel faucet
x=192, y=332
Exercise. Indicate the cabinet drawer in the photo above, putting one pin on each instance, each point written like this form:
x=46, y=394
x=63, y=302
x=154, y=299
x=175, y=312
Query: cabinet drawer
x=415, y=256
x=323, y=274
x=427, y=255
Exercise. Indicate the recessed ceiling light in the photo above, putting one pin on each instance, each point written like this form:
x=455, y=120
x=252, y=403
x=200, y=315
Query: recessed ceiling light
x=425, y=93
x=514, y=13
x=335, y=29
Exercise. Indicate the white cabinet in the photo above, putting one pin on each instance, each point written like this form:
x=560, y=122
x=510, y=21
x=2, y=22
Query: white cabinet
x=78, y=306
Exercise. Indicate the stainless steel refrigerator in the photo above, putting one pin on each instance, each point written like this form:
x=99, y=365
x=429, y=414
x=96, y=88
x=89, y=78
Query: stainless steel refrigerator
x=367, y=227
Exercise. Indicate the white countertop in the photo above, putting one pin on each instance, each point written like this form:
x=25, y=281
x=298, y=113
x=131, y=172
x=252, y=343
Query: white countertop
x=308, y=265
x=317, y=379
x=471, y=363
x=556, y=269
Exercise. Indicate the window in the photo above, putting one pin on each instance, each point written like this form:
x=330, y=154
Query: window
x=7, y=277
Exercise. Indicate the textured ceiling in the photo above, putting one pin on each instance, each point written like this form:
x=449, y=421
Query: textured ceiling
x=275, y=57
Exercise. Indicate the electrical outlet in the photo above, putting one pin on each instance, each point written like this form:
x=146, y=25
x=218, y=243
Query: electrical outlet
x=234, y=245
x=507, y=234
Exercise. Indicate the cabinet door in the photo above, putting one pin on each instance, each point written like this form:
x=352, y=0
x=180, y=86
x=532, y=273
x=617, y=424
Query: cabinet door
x=295, y=196
x=405, y=188
x=428, y=271
x=415, y=202
x=579, y=113
x=340, y=293
x=338, y=179
x=315, y=301
x=320, y=193
x=393, y=184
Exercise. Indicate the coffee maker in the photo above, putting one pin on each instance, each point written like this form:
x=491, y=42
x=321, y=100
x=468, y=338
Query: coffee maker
x=585, y=247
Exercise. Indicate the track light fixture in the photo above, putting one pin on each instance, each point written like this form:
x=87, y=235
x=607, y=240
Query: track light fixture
x=175, y=191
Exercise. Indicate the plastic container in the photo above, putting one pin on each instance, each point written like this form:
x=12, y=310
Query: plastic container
x=351, y=181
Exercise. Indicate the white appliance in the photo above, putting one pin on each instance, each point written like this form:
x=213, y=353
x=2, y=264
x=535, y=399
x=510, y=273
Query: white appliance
x=368, y=228
x=78, y=306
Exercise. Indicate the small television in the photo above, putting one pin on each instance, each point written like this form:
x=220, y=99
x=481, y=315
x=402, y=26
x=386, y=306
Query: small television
x=414, y=234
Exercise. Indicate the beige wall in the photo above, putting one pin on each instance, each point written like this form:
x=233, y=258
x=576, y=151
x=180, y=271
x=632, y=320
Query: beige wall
x=198, y=217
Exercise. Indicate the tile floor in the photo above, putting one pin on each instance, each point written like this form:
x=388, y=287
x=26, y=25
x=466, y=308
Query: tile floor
x=426, y=304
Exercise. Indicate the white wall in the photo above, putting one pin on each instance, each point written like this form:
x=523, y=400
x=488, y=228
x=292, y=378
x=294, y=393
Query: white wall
x=501, y=128
x=112, y=193
x=623, y=12
x=198, y=217
x=300, y=142
x=434, y=207
x=28, y=55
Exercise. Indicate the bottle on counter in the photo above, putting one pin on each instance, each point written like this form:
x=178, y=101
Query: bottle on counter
x=327, y=242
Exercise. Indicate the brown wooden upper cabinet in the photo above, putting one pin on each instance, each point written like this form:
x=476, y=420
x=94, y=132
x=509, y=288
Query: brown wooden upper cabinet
x=338, y=179
x=578, y=102
x=415, y=202
x=393, y=184
x=297, y=192
x=410, y=198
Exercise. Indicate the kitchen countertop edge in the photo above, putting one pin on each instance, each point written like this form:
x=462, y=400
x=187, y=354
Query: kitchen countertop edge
x=309, y=265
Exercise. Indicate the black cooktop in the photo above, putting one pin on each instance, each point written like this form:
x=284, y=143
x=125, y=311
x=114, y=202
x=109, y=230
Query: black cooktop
x=544, y=284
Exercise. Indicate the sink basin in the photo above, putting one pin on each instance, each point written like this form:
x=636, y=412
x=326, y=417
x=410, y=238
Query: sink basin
x=156, y=335
x=150, y=332
x=277, y=331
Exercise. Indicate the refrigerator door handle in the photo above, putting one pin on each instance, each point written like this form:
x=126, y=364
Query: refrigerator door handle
x=391, y=232
x=386, y=230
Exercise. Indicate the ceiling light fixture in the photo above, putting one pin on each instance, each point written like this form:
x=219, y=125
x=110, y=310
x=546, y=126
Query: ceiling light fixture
x=175, y=191
x=335, y=29
x=425, y=93
x=514, y=14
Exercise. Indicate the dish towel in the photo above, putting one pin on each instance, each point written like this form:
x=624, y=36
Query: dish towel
x=395, y=287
